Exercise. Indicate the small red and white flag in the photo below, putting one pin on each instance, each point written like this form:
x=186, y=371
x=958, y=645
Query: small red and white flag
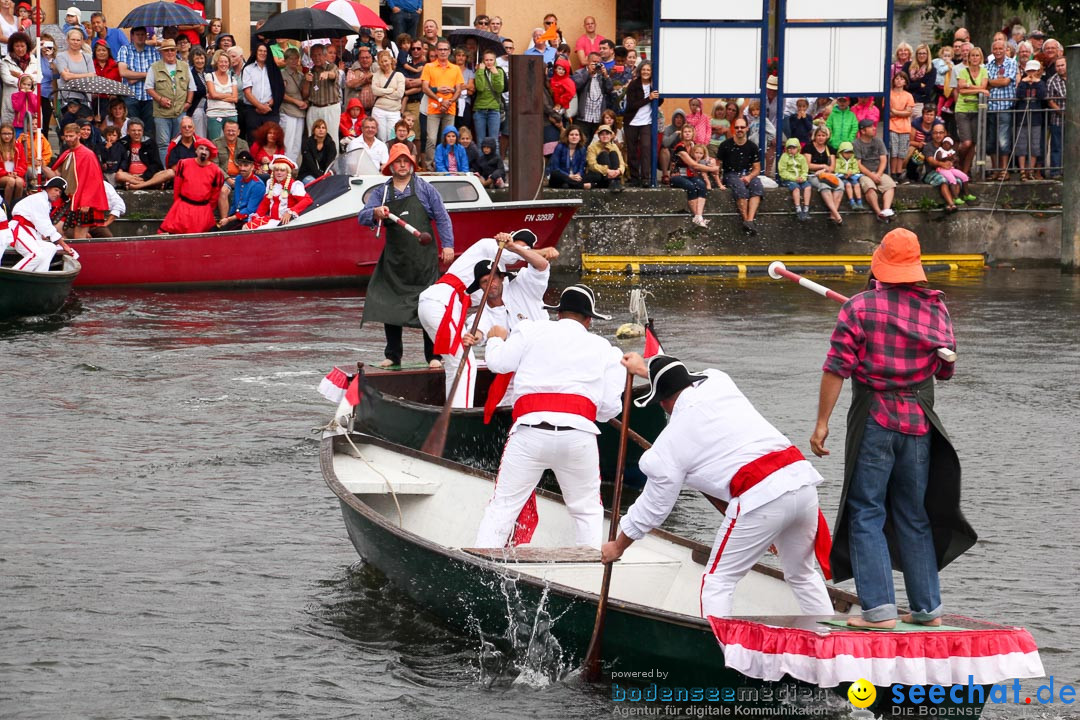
x=652, y=343
x=334, y=385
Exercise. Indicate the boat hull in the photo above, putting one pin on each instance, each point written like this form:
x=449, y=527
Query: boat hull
x=23, y=294
x=332, y=252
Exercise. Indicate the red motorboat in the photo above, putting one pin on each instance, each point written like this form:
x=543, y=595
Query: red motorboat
x=324, y=246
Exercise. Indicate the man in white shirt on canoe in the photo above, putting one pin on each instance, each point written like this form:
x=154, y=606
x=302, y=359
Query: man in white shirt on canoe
x=33, y=234
x=716, y=442
x=565, y=381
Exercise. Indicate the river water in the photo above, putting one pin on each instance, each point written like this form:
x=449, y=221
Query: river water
x=168, y=548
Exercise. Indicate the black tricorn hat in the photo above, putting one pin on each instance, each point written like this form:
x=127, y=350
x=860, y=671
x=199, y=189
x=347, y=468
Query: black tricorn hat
x=667, y=376
x=525, y=235
x=480, y=270
x=578, y=299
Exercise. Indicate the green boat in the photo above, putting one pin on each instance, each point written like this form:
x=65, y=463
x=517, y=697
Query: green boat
x=414, y=517
x=402, y=405
x=24, y=293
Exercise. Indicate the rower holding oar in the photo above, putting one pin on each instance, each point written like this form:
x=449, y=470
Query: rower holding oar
x=716, y=442
x=566, y=379
x=901, y=497
x=406, y=266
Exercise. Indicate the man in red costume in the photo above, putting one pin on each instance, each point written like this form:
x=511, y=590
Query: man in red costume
x=196, y=188
x=79, y=166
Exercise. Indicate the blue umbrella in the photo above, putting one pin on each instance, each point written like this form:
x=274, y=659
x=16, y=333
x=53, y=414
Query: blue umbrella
x=161, y=14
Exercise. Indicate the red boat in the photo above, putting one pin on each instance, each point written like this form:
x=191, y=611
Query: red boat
x=324, y=246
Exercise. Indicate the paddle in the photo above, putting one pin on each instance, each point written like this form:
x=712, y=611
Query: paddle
x=777, y=270
x=592, y=657
x=436, y=439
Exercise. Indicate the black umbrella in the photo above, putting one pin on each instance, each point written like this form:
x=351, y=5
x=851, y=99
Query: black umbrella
x=157, y=14
x=484, y=39
x=305, y=24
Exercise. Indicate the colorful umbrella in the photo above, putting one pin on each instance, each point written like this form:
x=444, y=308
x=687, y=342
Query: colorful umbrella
x=351, y=12
x=159, y=14
x=98, y=85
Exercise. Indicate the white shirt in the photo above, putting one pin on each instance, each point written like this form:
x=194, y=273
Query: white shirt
x=560, y=357
x=377, y=153
x=463, y=267
x=523, y=299
x=117, y=206
x=644, y=114
x=33, y=210
x=258, y=80
x=713, y=432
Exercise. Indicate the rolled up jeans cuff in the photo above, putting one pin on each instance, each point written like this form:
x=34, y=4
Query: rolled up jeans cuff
x=918, y=616
x=880, y=613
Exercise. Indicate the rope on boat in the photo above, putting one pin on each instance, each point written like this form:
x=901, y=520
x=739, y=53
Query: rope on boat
x=393, y=494
x=637, y=306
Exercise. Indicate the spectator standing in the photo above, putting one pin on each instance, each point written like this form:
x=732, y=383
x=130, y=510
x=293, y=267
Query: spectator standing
x=197, y=111
x=540, y=47
x=261, y=89
x=431, y=35
x=17, y=62
x=358, y=79
x=25, y=104
x=388, y=86
x=1031, y=98
x=740, y=169
x=821, y=164
x=568, y=161
x=317, y=154
x=1055, y=100
x=1001, y=75
x=293, y=105
x=105, y=67
x=211, y=34
x=594, y=88
x=698, y=120
x=222, y=93
x=170, y=85
x=641, y=93
x=901, y=107
x=405, y=16
x=842, y=123
x=192, y=31
x=48, y=80
x=71, y=64
x=495, y=24
x=972, y=81
x=134, y=61
x=866, y=109
x=901, y=58
x=322, y=92
x=488, y=106
x=921, y=75
x=464, y=104
x=589, y=41
x=412, y=70
x=443, y=83
x=874, y=164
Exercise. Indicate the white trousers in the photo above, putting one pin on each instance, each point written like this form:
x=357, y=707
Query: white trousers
x=790, y=522
x=431, y=311
x=386, y=120
x=37, y=254
x=572, y=455
x=294, y=135
x=331, y=114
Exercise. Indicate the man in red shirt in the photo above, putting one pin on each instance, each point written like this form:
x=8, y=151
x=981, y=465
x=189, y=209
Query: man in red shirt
x=192, y=31
x=901, y=473
x=196, y=188
x=589, y=42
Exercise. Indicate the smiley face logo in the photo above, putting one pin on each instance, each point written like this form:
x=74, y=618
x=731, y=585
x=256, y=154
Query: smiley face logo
x=861, y=693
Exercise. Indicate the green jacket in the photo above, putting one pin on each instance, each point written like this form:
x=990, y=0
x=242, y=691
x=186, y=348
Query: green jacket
x=174, y=87
x=484, y=98
x=843, y=125
x=847, y=167
x=793, y=167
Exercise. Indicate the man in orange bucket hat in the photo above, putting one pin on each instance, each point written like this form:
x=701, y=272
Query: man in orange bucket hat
x=900, y=503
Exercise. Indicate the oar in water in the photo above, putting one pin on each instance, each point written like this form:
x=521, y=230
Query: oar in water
x=592, y=657
x=777, y=270
x=436, y=439
x=423, y=237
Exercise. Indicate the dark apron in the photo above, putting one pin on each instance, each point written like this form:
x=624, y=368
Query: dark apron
x=952, y=533
x=405, y=268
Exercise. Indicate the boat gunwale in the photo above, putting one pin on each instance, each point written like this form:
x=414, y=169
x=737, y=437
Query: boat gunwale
x=70, y=271
x=329, y=446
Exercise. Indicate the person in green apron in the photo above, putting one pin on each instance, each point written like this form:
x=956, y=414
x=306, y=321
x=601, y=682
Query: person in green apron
x=406, y=267
x=900, y=506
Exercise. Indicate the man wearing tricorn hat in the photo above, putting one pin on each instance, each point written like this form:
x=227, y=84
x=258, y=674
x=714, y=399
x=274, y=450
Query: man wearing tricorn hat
x=31, y=231
x=565, y=381
x=716, y=442
x=900, y=503
x=406, y=267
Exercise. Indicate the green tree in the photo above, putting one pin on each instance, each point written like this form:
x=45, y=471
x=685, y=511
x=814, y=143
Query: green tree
x=1057, y=18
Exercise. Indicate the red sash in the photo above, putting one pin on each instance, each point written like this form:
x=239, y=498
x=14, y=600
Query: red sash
x=555, y=402
x=496, y=392
x=755, y=471
x=447, y=340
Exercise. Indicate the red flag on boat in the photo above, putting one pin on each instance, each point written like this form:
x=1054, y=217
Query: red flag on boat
x=652, y=344
x=334, y=385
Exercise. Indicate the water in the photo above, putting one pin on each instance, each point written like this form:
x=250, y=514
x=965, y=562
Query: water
x=168, y=547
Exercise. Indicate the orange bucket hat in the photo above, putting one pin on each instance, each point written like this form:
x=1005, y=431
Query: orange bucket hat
x=396, y=151
x=898, y=259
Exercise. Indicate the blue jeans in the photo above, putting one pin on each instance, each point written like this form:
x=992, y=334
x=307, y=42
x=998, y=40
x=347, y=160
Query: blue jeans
x=144, y=110
x=1055, y=151
x=892, y=468
x=487, y=126
x=405, y=22
x=165, y=129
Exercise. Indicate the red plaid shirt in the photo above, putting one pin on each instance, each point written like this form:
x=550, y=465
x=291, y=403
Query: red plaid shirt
x=887, y=338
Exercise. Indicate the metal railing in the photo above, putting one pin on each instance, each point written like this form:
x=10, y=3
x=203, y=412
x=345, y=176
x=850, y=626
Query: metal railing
x=1029, y=134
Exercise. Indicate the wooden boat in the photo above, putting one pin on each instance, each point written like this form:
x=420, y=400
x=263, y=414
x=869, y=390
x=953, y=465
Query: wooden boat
x=24, y=294
x=414, y=517
x=402, y=405
x=324, y=246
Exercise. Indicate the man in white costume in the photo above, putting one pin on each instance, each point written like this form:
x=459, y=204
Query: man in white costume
x=565, y=381
x=716, y=442
x=32, y=231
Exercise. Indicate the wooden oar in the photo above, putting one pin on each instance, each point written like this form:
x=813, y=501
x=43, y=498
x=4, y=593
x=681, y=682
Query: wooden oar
x=592, y=657
x=777, y=270
x=423, y=237
x=436, y=439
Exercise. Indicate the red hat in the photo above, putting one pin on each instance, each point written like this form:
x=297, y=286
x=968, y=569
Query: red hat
x=396, y=151
x=354, y=102
x=203, y=142
x=898, y=259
